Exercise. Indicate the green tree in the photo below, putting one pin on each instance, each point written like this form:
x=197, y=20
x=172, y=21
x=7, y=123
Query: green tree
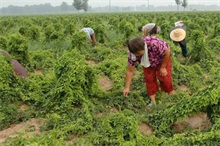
x=184, y=4
x=178, y=2
x=85, y=5
x=64, y=7
x=77, y=4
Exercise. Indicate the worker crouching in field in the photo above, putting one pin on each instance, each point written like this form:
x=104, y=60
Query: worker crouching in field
x=149, y=29
x=17, y=67
x=154, y=56
x=90, y=34
x=178, y=35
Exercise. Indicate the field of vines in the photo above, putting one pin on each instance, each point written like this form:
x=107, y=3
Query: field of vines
x=73, y=95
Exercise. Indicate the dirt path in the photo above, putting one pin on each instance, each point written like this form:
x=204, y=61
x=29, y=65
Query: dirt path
x=197, y=121
x=30, y=127
x=105, y=83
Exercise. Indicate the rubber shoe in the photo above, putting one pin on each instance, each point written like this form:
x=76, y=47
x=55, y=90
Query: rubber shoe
x=149, y=106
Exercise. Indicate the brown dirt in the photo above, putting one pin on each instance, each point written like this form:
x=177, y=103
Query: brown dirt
x=146, y=129
x=125, y=48
x=99, y=114
x=206, y=76
x=180, y=58
x=197, y=121
x=182, y=88
x=31, y=127
x=91, y=62
x=110, y=111
x=105, y=83
x=113, y=110
x=23, y=107
x=38, y=72
x=72, y=138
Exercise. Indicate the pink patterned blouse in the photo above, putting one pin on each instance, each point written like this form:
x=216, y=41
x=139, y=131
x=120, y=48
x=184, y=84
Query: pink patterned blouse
x=156, y=48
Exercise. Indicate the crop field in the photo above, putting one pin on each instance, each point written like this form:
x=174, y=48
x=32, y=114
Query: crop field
x=73, y=95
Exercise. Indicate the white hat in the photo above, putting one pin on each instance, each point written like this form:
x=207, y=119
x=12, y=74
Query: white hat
x=158, y=29
x=177, y=34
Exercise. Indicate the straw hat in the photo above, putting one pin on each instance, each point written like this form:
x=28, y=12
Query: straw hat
x=177, y=34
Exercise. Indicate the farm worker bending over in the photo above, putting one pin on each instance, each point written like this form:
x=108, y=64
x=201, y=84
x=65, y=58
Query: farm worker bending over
x=18, y=68
x=178, y=34
x=149, y=29
x=90, y=34
x=154, y=56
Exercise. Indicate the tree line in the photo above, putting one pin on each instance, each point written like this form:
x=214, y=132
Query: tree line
x=183, y=3
x=83, y=6
x=77, y=5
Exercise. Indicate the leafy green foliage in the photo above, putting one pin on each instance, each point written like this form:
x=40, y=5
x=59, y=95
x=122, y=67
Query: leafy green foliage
x=41, y=59
x=120, y=129
x=217, y=30
x=208, y=138
x=18, y=48
x=3, y=42
x=32, y=33
x=62, y=86
x=8, y=81
x=164, y=119
x=72, y=76
x=80, y=40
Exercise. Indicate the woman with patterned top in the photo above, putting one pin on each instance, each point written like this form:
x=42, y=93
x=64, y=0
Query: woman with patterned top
x=154, y=56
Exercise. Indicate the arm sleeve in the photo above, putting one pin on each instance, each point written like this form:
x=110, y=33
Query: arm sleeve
x=19, y=69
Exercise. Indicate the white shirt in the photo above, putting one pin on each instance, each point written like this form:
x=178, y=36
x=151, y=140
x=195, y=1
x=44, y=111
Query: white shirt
x=89, y=31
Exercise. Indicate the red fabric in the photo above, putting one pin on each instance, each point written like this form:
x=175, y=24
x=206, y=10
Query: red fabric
x=152, y=75
x=19, y=69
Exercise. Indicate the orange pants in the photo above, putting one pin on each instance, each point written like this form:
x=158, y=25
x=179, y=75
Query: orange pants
x=152, y=75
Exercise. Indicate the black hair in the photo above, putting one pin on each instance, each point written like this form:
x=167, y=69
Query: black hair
x=154, y=30
x=140, y=28
x=135, y=45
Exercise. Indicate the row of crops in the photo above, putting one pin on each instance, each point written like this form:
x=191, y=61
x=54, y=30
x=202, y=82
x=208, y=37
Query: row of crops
x=63, y=88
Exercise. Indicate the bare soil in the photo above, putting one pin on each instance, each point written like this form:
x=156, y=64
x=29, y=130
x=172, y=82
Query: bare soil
x=31, y=127
x=125, y=48
x=146, y=129
x=91, y=62
x=38, y=72
x=105, y=83
x=197, y=121
x=182, y=88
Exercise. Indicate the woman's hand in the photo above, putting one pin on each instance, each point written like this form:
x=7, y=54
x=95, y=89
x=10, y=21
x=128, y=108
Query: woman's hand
x=126, y=91
x=163, y=71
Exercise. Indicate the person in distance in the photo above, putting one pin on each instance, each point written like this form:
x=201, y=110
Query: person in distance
x=178, y=35
x=90, y=34
x=149, y=29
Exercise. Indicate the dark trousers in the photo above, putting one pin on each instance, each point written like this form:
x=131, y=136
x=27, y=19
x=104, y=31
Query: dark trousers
x=183, y=47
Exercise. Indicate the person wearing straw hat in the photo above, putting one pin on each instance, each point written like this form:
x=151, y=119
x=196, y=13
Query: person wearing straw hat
x=149, y=29
x=154, y=56
x=178, y=35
